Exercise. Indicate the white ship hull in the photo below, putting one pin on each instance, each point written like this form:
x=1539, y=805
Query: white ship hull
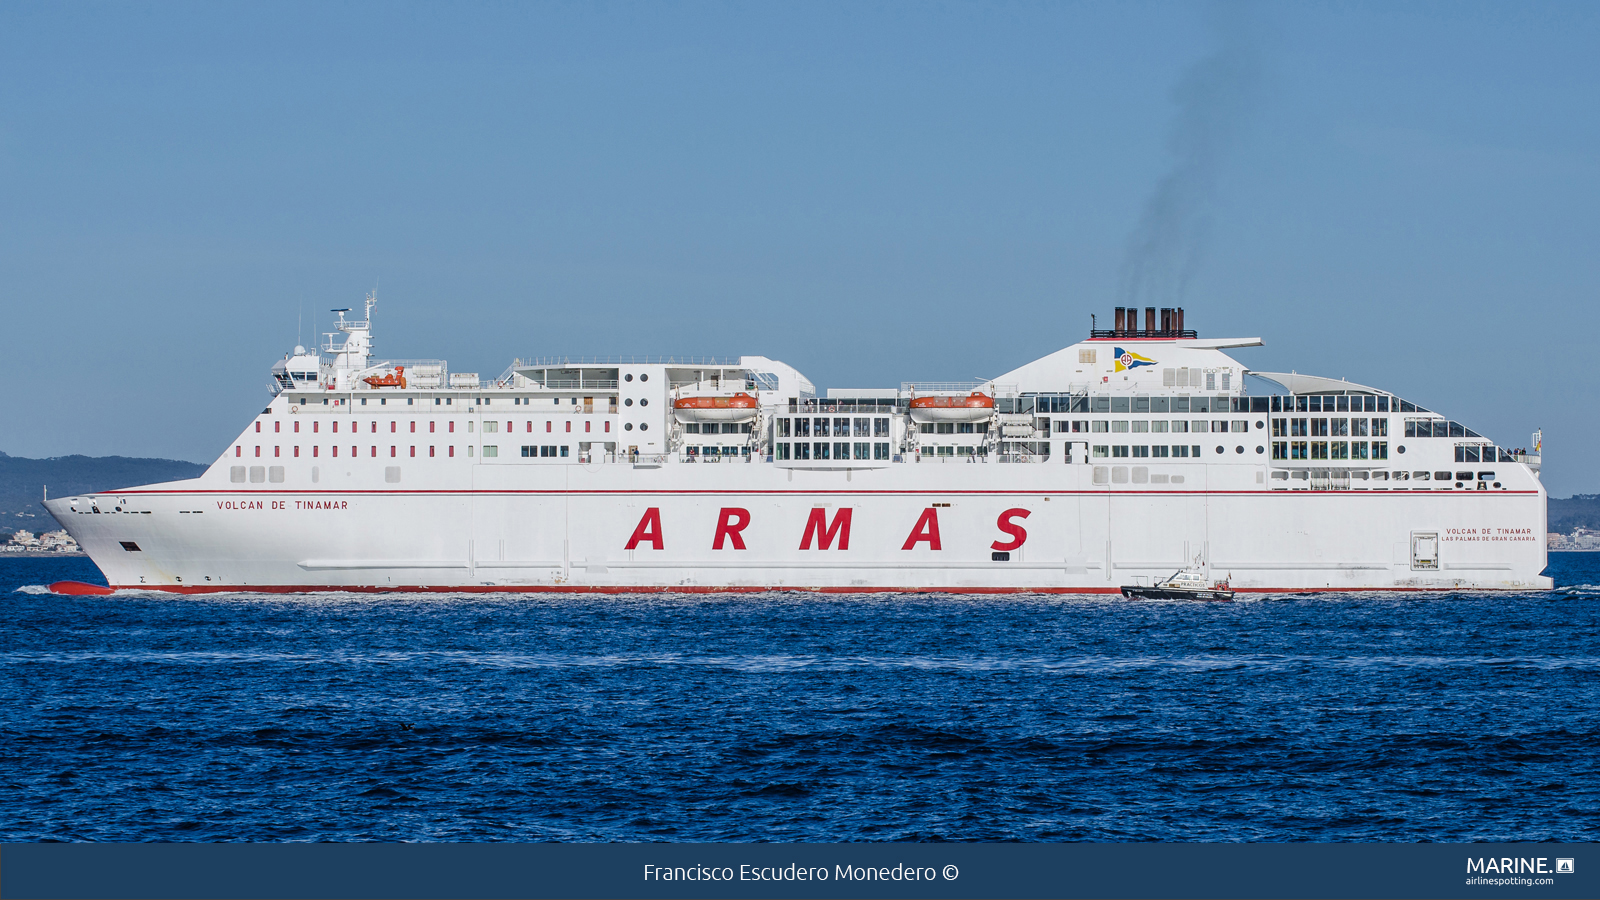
x=566, y=528
x=1113, y=462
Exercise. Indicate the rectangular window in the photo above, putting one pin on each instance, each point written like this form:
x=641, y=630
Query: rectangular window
x=1319, y=427
x=880, y=427
x=1358, y=427
x=1297, y=450
x=491, y=426
x=1280, y=428
x=1238, y=427
x=925, y=428
x=1380, y=427
x=1141, y=427
x=944, y=428
x=969, y=427
x=1298, y=427
x=863, y=428
x=783, y=428
x=1119, y=427
x=802, y=428
x=694, y=427
x=1100, y=450
x=1180, y=450
x=1119, y=450
x=1141, y=452
x=782, y=451
x=565, y=449
x=1380, y=449
x=452, y=452
x=1340, y=427
x=1358, y=449
x=1339, y=450
x=1319, y=449
x=1280, y=449
x=430, y=451
x=841, y=449
x=802, y=450
x=880, y=450
x=819, y=449
x=841, y=427
x=1160, y=450
x=819, y=428
x=863, y=449
x=1101, y=426
x=490, y=450
x=1159, y=426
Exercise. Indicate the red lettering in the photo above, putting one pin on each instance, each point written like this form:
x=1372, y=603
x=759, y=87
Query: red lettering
x=1017, y=532
x=729, y=524
x=649, y=529
x=817, y=527
x=927, y=530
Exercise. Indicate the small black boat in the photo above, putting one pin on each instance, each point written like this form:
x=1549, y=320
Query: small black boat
x=1185, y=584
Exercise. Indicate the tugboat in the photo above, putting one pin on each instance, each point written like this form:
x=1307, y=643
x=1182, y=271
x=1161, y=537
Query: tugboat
x=1184, y=584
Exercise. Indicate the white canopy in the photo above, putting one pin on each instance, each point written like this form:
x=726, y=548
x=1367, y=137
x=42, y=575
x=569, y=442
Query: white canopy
x=1314, y=384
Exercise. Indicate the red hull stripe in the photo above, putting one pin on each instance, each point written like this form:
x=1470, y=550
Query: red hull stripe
x=693, y=589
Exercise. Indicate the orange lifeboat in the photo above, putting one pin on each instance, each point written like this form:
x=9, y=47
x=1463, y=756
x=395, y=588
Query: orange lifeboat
x=397, y=378
x=975, y=407
x=716, y=408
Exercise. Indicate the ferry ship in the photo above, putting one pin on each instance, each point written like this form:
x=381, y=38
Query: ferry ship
x=1111, y=462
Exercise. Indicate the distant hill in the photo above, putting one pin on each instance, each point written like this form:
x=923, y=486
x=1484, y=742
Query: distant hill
x=1578, y=511
x=22, y=482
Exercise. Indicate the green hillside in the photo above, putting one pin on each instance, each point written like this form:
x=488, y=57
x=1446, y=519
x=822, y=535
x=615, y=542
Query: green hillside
x=22, y=482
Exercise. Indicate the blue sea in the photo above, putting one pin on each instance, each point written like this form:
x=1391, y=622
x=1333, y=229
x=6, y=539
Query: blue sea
x=791, y=717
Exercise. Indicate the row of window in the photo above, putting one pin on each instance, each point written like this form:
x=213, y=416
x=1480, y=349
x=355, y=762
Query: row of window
x=1059, y=403
x=450, y=427
x=546, y=451
x=1067, y=403
x=1438, y=428
x=1339, y=427
x=834, y=450
x=711, y=428
x=838, y=426
x=1330, y=450
x=717, y=451
x=948, y=450
x=450, y=401
x=953, y=428
x=394, y=451
x=1140, y=451
x=1158, y=426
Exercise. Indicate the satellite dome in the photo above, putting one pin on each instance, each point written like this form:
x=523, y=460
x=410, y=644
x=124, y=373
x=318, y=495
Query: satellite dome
x=299, y=350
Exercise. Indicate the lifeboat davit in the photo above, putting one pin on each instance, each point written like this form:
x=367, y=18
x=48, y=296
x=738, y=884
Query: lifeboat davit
x=975, y=407
x=740, y=407
x=397, y=378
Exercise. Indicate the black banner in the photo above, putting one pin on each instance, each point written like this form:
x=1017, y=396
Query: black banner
x=355, y=871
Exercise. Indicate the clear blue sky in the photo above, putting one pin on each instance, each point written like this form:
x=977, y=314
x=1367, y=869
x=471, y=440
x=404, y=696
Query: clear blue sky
x=1407, y=196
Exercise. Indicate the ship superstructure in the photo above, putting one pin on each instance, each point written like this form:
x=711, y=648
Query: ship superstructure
x=1116, y=460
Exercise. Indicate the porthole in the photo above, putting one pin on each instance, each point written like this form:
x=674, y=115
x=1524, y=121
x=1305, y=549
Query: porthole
x=628, y=377
x=1239, y=449
x=1260, y=449
x=643, y=427
x=1219, y=448
x=643, y=401
x=1497, y=484
x=628, y=427
x=1400, y=449
x=1260, y=424
x=644, y=377
x=628, y=402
